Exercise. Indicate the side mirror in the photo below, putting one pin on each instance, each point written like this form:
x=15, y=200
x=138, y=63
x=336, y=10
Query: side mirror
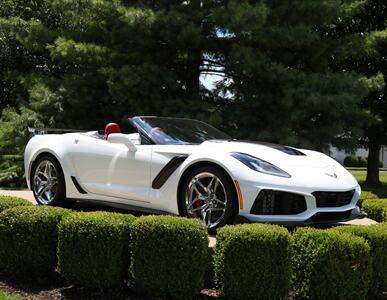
x=120, y=138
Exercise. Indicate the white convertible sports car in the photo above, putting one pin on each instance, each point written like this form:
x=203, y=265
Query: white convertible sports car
x=189, y=168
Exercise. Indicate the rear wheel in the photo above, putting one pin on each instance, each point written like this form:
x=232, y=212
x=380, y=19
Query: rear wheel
x=208, y=194
x=47, y=182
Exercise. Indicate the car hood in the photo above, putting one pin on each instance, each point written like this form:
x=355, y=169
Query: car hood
x=279, y=155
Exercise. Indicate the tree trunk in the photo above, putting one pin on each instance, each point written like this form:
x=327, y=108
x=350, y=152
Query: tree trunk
x=193, y=74
x=373, y=164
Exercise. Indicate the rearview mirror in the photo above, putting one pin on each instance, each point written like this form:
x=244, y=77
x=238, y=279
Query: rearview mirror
x=120, y=138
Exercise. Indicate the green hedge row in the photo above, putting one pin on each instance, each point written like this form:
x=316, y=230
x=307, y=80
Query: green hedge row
x=253, y=261
x=330, y=265
x=161, y=255
x=376, y=236
x=365, y=195
x=168, y=257
x=93, y=248
x=28, y=239
x=358, y=161
x=376, y=209
x=9, y=202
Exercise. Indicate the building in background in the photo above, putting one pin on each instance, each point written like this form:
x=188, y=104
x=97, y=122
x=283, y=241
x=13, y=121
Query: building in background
x=340, y=155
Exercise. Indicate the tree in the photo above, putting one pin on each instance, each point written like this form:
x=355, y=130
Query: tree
x=277, y=69
x=83, y=63
x=369, y=24
x=13, y=138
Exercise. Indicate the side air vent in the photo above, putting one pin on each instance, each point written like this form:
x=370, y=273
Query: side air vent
x=78, y=186
x=167, y=171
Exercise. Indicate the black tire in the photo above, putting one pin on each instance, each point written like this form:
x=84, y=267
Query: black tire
x=231, y=208
x=59, y=198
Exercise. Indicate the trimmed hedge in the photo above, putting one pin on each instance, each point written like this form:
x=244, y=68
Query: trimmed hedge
x=365, y=195
x=368, y=195
x=330, y=265
x=7, y=202
x=358, y=161
x=169, y=256
x=253, y=261
x=93, y=248
x=28, y=239
x=376, y=209
x=376, y=236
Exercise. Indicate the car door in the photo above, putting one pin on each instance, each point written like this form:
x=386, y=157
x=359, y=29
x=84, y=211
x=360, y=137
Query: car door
x=112, y=170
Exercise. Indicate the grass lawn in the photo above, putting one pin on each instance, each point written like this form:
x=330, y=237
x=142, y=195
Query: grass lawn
x=381, y=191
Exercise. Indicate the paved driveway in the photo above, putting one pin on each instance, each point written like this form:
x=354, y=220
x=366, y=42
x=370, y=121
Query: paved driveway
x=25, y=194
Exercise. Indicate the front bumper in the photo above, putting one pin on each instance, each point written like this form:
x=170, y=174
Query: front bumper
x=312, y=212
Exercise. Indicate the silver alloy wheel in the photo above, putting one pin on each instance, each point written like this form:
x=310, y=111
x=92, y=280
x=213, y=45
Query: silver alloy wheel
x=206, y=199
x=45, y=182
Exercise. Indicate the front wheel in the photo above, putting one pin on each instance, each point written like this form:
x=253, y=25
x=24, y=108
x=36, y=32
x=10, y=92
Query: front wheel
x=209, y=194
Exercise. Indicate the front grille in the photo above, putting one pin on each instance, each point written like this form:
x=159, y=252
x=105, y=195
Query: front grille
x=270, y=202
x=333, y=199
x=331, y=216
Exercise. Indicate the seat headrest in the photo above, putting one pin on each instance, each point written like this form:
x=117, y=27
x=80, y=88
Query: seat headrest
x=111, y=128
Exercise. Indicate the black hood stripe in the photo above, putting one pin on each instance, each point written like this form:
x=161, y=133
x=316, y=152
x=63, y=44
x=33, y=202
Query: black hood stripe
x=284, y=149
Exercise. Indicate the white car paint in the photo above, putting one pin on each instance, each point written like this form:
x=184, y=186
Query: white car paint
x=112, y=173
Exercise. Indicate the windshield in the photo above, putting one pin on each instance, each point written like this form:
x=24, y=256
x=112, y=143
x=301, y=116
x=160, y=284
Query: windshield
x=176, y=131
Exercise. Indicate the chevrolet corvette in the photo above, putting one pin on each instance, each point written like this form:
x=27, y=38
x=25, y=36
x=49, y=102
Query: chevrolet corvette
x=186, y=167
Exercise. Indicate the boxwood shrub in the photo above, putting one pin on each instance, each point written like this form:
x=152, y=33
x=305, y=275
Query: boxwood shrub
x=330, y=265
x=28, y=239
x=253, y=261
x=365, y=195
x=376, y=209
x=351, y=161
x=358, y=161
x=169, y=256
x=9, y=202
x=376, y=237
x=93, y=248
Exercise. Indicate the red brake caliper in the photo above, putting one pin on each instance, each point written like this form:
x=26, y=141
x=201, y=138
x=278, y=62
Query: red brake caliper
x=199, y=203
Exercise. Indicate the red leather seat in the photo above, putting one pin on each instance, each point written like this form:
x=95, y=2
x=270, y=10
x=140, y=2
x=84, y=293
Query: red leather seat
x=111, y=128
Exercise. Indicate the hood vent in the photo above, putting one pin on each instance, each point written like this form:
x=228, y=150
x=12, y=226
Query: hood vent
x=288, y=150
x=284, y=149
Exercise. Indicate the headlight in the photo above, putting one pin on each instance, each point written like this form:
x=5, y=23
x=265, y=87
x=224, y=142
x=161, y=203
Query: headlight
x=259, y=165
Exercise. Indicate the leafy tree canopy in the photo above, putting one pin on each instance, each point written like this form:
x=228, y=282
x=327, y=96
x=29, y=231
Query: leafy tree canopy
x=83, y=63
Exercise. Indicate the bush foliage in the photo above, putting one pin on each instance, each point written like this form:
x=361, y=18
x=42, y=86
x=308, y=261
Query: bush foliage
x=376, y=209
x=330, y=265
x=28, y=239
x=365, y=195
x=253, y=261
x=93, y=248
x=10, y=202
x=358, y=162
x=376, y=236
x=169, y=256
